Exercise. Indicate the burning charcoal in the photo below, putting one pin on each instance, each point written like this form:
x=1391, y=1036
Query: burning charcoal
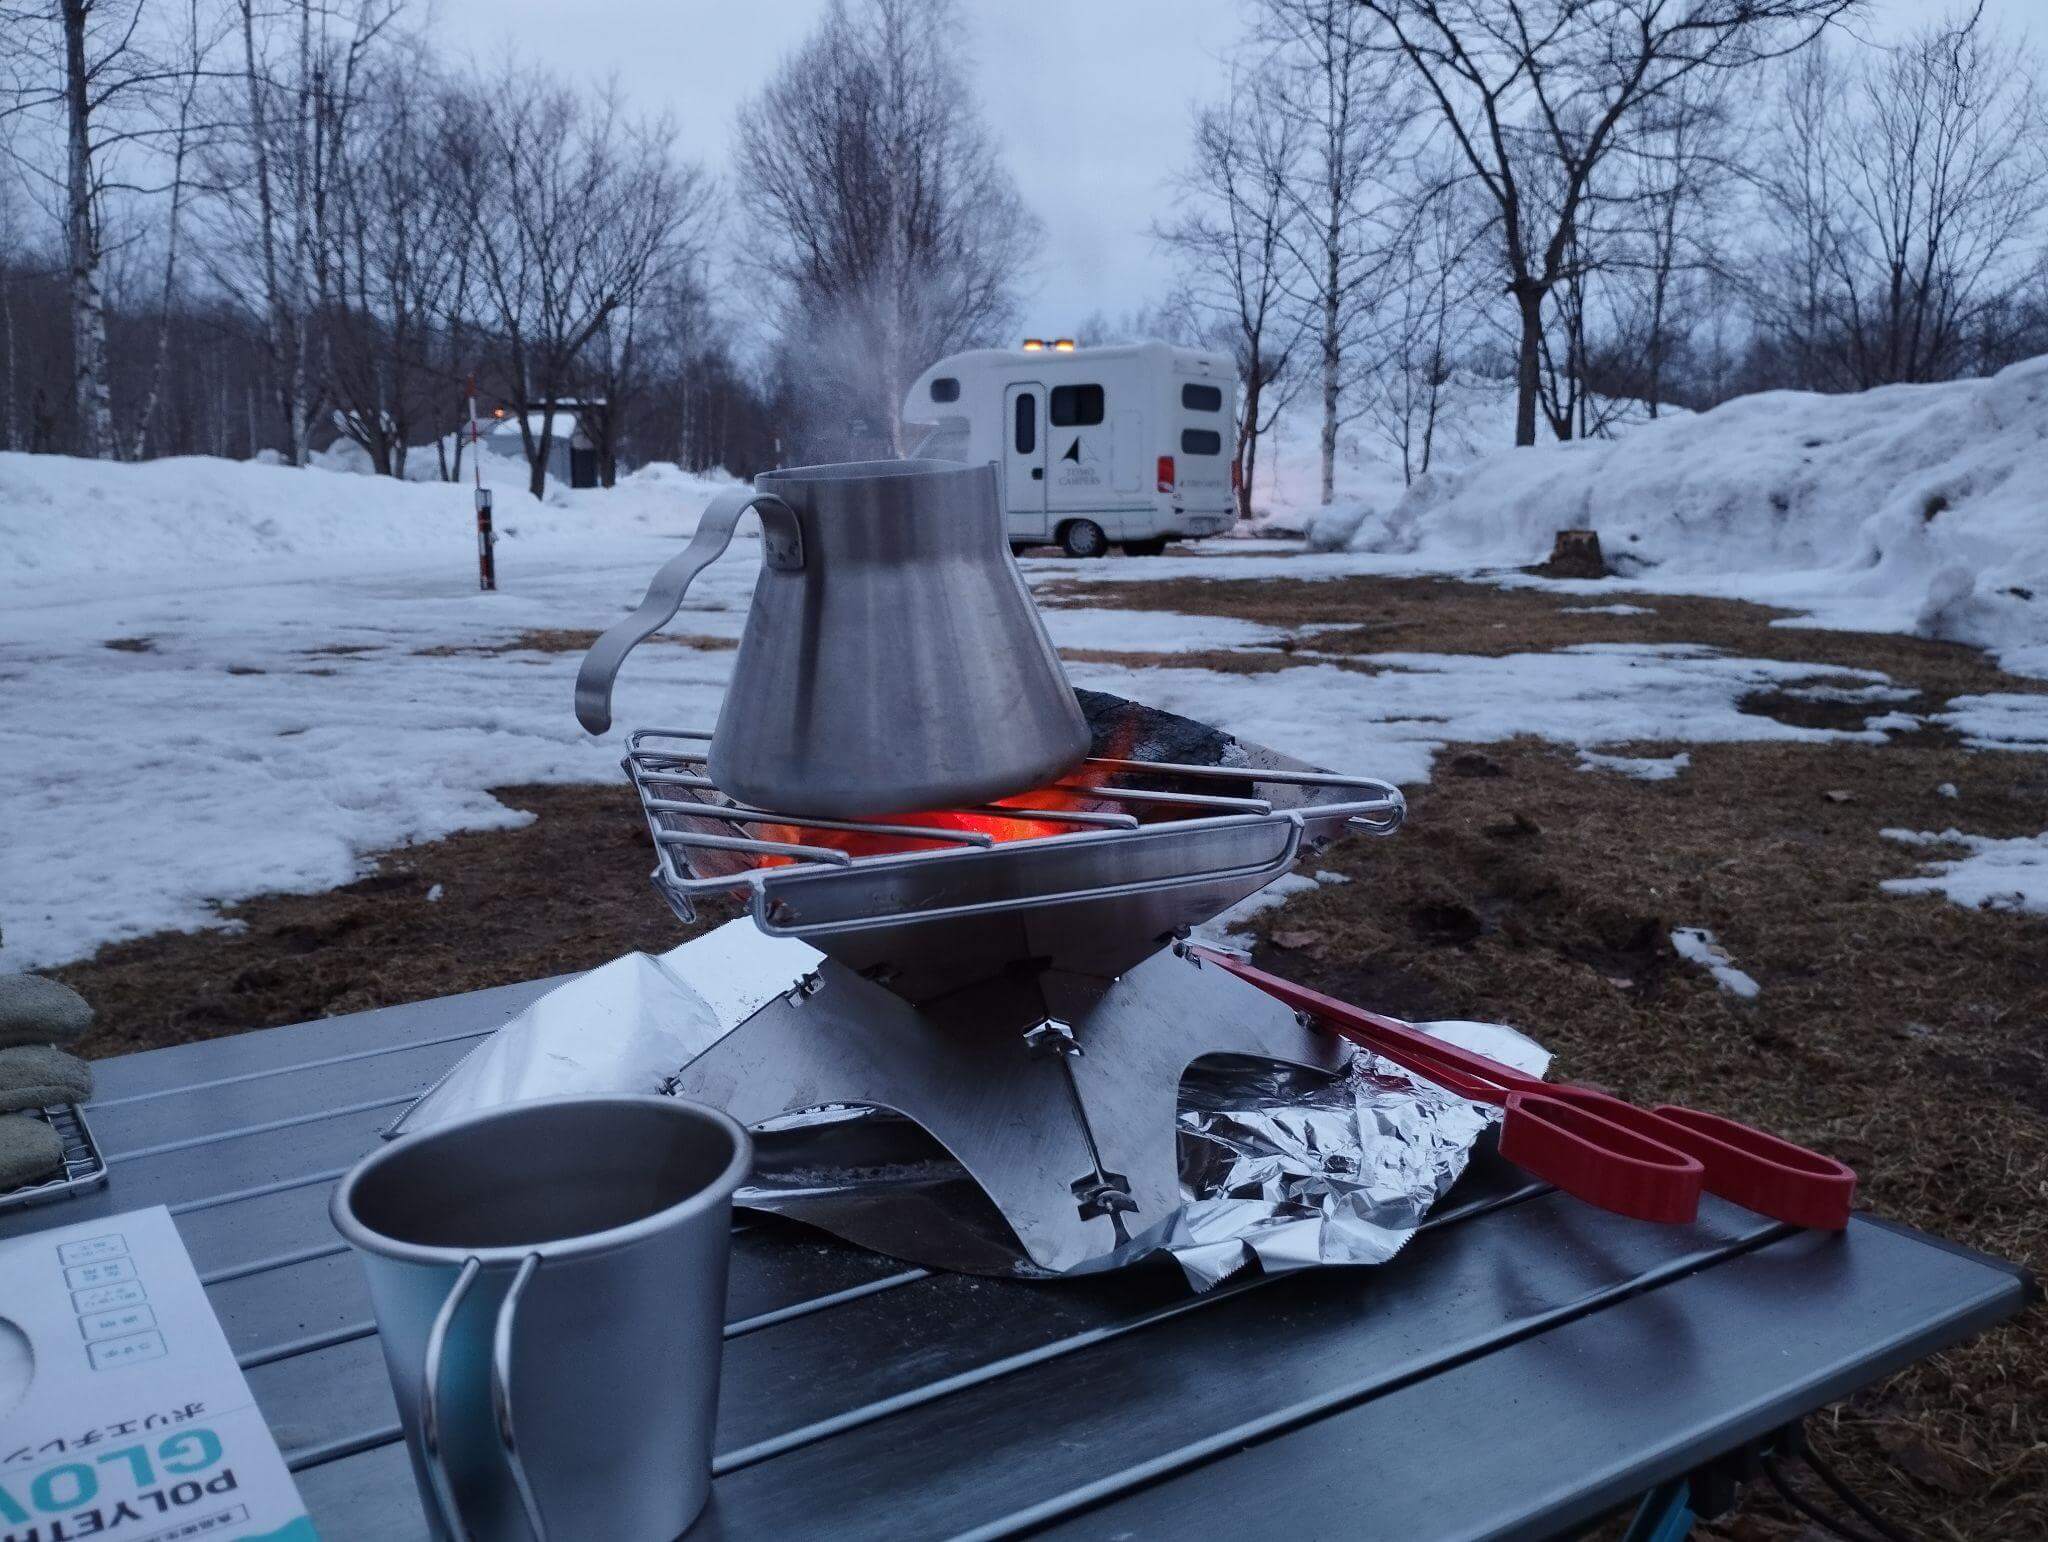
x=29, y=1150
x=1130, y=730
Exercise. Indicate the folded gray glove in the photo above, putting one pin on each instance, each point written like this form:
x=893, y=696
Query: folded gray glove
x=29, y=1149
x=34, y=1010
x=37, y=1075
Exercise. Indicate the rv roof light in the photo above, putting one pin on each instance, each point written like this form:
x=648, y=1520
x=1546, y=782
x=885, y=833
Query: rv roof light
x=1033, y=344
x=1064, y=345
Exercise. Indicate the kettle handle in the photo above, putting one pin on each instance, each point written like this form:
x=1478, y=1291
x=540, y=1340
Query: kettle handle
x=782, y=548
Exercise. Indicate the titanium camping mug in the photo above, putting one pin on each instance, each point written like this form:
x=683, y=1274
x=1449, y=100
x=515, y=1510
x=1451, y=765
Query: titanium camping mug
x=549, y=1283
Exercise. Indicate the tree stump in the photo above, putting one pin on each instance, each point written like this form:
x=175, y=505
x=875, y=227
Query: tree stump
x=1576, y=555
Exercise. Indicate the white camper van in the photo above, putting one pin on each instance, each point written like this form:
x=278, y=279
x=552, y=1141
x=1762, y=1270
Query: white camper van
x=1128, y=445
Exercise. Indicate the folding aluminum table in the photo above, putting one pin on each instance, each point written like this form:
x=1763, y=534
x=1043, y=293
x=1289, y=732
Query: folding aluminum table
x=1524, y=1366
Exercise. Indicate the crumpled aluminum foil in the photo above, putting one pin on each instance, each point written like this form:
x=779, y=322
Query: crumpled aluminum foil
x=1279, y=1167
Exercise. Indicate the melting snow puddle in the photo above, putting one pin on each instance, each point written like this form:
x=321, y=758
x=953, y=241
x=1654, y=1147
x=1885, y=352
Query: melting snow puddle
x=1696, y=945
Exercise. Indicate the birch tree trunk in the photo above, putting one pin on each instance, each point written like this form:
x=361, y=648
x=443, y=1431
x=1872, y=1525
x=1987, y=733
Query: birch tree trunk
x=302, y=226
x=89, y=393
x=266, y=221
x=1528, y=362
x=169, y=292
x=1333, y=373
x=10, y=424
x=897, y=276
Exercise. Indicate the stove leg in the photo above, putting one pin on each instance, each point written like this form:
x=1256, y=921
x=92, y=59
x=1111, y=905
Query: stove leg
x=1140, y=1040
x=1002, y=1110
x=1069, y=1129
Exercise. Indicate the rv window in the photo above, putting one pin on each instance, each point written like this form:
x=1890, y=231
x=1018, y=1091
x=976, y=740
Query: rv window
x=1200, y=441
x=1196, y=398
x=1076, y=406
x=945, y=441
x=946, y=389
x=1027, y=423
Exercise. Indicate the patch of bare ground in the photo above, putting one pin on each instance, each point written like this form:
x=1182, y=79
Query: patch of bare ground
x=567, y=892
x=1367, y=615
x=567, y=640
x=1907, y=1036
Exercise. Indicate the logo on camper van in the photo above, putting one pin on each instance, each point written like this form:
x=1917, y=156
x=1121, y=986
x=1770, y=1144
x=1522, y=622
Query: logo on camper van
x=1080, y=466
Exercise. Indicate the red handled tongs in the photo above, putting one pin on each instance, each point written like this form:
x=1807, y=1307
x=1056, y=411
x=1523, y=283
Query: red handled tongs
x=1650, y=1164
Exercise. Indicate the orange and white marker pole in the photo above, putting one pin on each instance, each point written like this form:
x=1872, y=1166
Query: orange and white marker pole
x=486, y=542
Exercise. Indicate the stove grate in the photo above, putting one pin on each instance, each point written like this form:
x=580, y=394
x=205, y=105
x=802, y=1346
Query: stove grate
x=709, y=843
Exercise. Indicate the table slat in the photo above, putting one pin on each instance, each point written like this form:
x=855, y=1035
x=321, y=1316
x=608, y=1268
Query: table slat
x=1562, y=1427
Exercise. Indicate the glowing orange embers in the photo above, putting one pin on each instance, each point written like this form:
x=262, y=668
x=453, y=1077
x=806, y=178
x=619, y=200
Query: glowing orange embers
x=1070, y=795
x=1065, y=798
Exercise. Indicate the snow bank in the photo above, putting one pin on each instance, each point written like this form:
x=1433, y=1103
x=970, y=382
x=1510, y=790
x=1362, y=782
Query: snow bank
x=64, y=518
x=1475, y=418
x=1910, y=508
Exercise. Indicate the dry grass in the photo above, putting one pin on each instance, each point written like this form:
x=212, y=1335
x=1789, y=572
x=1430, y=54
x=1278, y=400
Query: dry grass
x=569, y=640
x=1903, y=1035
x=1435, y=615
x=1906, y=1036
x=567, y=892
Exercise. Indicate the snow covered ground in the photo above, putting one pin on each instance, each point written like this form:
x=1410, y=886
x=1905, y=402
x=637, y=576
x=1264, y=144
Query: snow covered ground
x=1992, y=874
x=1912, y=508
x=218, y=680
x=1475, y=419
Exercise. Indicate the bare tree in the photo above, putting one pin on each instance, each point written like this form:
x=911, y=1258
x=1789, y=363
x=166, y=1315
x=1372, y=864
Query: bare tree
x=301, y=81
x=13, y=250
x=1433, y=312
x=1560, y=81
x=1350, y=113
x=85, y=73
x=657, y=248
x=887, y=222
x=401, y=234
x=583, y=216
x=1912, y=194
x=1682, y=163
x=1800, y=186
x=1230, y=244
x=183, y=122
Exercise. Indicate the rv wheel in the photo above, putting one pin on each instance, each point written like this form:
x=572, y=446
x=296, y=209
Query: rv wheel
x=1084, y=538
x=1151, y=548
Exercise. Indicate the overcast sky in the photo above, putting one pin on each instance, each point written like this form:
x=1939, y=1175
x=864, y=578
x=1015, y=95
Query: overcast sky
x=1089, y=98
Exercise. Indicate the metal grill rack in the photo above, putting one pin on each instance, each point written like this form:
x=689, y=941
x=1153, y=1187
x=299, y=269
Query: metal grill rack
x=1145, y=838
x=84, y=1168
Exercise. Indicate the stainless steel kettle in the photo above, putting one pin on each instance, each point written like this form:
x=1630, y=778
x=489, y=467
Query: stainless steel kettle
x=892, y=661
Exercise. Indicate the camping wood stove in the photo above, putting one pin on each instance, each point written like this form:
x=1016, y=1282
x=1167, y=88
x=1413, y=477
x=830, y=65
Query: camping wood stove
x=1008, y=974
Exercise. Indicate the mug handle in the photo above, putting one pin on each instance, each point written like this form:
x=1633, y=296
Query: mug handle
x=501, y=1398
x=782, y=548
